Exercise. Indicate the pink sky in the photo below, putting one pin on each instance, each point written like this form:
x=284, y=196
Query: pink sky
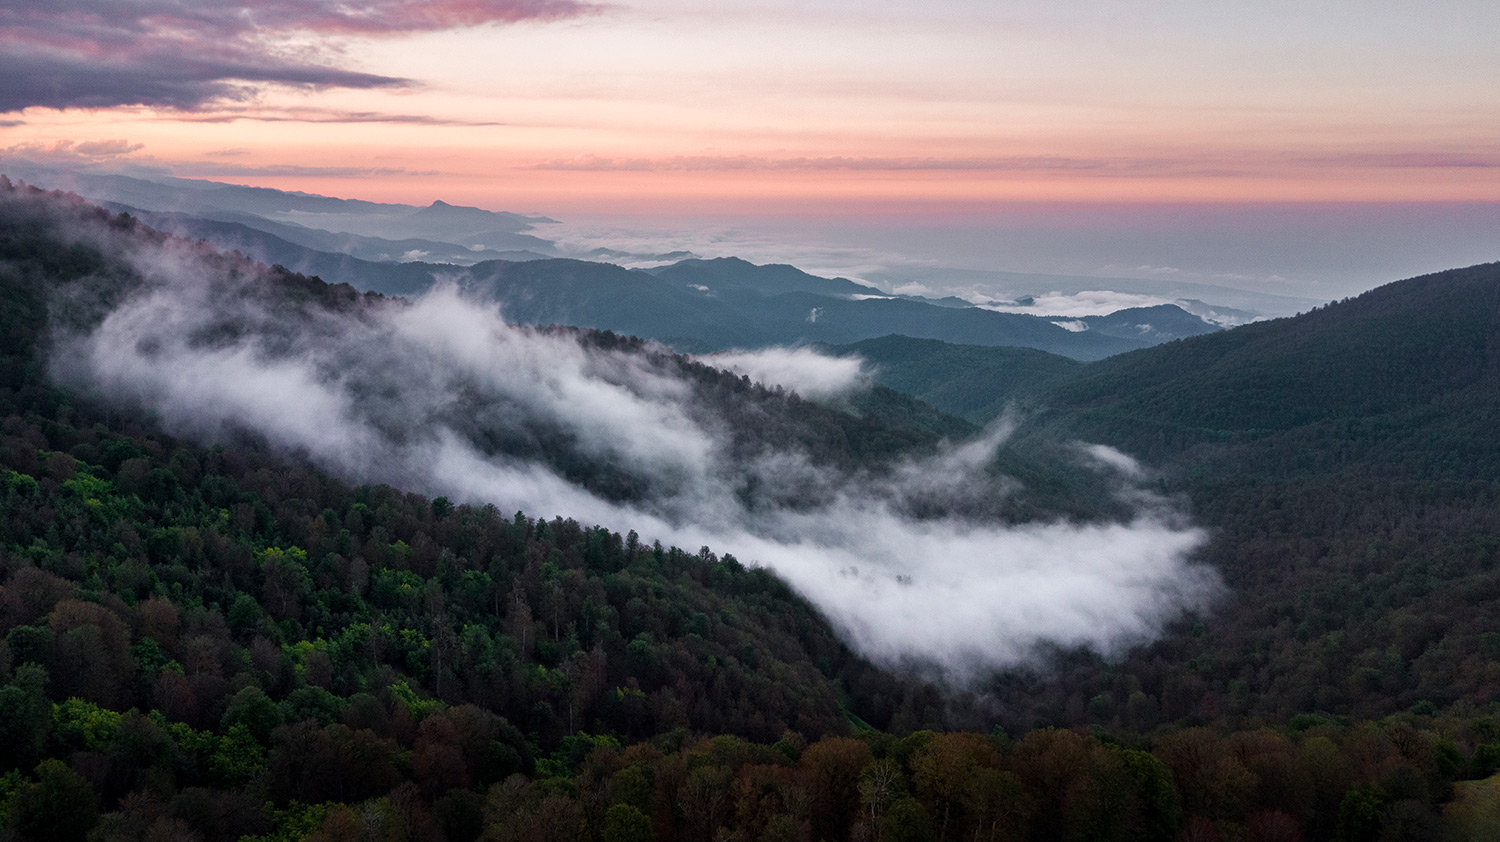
x=768, y=107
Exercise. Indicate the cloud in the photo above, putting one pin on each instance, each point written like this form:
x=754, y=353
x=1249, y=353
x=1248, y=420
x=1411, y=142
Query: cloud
x=442, y=396
x=165, y=53
x=801, y=370
x=1420, y=160
x=303, y=114
x=1231, y=165
x=221, y=169
x=73, y=153
x=1108, y=457
x=106, y=148
x=592, y=163
x=1089, y=302
x=171, y=76
x=645, y=244
x=111, y=154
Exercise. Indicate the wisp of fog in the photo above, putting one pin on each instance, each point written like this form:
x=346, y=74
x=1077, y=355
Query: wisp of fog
x=431, y=396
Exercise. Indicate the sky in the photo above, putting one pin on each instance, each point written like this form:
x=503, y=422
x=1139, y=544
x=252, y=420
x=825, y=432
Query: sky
x=1116, y=121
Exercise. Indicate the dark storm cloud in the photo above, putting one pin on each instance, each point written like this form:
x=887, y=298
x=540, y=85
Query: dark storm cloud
x=182, y=55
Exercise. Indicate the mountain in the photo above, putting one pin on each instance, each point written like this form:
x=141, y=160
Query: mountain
x=609, y=297
x=1400, y=347
x=974, y=382
x=1158, y=323
x=697, y=305
x=63, y=265
x=374, y=249
x=1347, y=462
x=534, y=289
x=302, y=215
x=732, y=273
x=184, y=195
x=409, y=278
x=225, y=641
x=465, y=221
x=1233, y=304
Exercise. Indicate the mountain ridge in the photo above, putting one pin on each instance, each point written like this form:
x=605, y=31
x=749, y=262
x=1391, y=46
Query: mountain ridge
x=219, y=643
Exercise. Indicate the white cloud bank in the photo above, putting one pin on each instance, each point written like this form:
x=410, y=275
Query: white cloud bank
x=1091, y=302
x=417, y=395
x=802, y=370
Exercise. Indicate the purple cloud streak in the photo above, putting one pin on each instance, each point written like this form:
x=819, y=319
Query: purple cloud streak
x=183, y=55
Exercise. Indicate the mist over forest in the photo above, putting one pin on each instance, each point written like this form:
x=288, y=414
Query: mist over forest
x=917, y=554
x=287, y=559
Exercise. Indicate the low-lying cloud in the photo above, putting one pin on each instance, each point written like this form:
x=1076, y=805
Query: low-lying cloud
x=801, y=370
x=1089, y=302
x=432, y=396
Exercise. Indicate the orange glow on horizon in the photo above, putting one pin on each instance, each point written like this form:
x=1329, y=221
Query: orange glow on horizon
x=665, y=108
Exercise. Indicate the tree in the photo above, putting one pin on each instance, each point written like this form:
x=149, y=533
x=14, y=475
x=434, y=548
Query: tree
x=60, y=806
x=254, y=710
x=831, y=768
x=945, y=772
x=906, y=821
x=91, y=654
x=879, y=784
x=25, y=718
x=625, y=823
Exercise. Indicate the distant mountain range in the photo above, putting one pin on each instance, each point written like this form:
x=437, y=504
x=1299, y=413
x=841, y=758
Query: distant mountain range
x=1225, y=305
x=692, y=304
x=729, y=303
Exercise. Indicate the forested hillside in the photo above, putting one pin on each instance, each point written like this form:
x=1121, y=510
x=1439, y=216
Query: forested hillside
x=223, y=642
x=1348, y=461
x=971, y=381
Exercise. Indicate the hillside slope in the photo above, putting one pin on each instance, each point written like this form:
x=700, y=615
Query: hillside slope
x=1397, y=347
x=223, y=642
x=369, y=592
x=1348, y=461
x=971, y=381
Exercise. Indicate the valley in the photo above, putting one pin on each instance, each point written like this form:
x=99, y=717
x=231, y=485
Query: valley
x=287, y=558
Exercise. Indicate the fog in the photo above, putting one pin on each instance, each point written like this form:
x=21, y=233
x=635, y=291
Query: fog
x=1093, y=302
x=429, y=396
x=802, y=370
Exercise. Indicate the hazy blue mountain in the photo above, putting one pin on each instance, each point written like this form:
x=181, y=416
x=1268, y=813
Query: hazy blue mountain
x=976, y=382
x=725, y=273
x=1222, y=316
x=224, y=227
x=1015, y=285
x=1161, y=323
x=440, y=222
x=945, y=301
x=605, y=296
x=694, y=304
x=390, y=278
